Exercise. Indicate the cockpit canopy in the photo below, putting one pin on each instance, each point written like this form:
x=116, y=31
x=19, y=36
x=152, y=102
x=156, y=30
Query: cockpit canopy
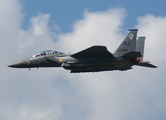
x=47, y=52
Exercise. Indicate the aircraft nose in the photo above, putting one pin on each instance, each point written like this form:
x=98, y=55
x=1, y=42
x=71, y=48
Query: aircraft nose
x=19, y=64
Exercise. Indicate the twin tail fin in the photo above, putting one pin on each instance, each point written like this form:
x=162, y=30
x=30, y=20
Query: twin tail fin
x=128, y=44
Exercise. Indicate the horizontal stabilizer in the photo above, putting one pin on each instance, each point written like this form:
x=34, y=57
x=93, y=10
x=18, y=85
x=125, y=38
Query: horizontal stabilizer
x=147, y=65
x=132, y=54
x=94, y=51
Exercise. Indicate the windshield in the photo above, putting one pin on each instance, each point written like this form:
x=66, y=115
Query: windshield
x=47, y=52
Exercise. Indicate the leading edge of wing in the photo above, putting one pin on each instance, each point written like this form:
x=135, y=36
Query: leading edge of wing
x=94, y=51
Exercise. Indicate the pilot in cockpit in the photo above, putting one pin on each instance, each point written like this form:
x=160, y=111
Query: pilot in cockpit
x=47, y=52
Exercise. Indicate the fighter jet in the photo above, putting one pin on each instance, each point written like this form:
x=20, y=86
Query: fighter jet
x=93, y=59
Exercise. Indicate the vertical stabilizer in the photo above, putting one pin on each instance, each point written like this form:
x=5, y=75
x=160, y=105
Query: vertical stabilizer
x=128, y=44
x=140, y=46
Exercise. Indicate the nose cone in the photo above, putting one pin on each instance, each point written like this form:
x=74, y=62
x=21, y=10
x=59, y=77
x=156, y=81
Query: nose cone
x=15, y=65
x=19, y=64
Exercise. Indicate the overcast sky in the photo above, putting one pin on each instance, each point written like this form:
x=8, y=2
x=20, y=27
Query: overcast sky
x=29, y=26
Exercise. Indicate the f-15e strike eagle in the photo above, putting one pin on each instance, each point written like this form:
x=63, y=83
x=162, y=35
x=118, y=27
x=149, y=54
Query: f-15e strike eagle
x=93, y=59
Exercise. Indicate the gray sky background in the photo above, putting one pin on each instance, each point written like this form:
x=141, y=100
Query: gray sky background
x=54, y=93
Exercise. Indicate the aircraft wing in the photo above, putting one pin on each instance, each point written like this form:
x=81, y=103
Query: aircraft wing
x=94, y=51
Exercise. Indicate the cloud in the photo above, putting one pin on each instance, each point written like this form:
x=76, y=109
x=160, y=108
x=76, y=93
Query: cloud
x=152, y=27
x=55, y=94
x=91, y=29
